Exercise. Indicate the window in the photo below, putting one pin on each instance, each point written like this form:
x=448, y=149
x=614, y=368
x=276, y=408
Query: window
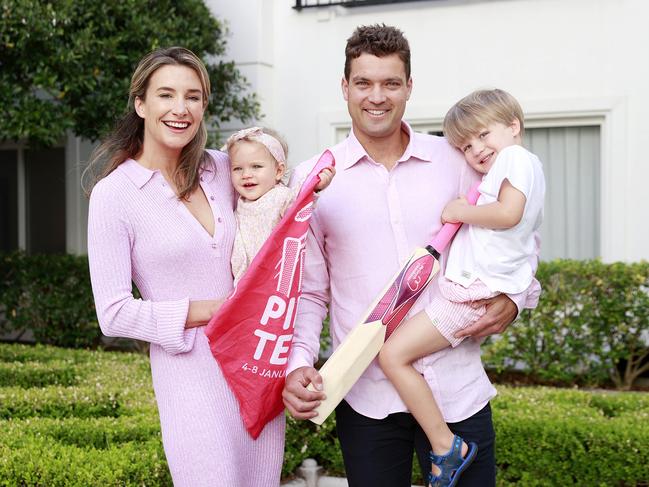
x=300, y=4
x=8, y=200
x=32, y=200
x=571, y=163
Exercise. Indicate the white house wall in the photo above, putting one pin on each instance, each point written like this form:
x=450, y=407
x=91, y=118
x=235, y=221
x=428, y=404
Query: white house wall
x=567, y=61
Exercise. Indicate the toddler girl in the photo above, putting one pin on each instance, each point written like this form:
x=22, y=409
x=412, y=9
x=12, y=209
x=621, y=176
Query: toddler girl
x=257, y=165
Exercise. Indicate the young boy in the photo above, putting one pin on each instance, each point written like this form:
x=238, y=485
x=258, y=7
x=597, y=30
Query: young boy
x=489, y=257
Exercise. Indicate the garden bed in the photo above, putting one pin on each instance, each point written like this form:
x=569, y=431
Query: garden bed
x=79, y=418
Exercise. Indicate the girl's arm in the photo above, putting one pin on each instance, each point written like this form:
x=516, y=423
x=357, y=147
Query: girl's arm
x=326, y=175
x=502, y=214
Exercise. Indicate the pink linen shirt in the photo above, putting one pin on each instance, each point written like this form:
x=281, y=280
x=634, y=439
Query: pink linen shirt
x=365, y=227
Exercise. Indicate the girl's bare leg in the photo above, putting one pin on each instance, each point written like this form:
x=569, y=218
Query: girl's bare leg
x=414, y=339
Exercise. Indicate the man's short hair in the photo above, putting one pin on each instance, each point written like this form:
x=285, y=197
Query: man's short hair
x=476, y=111
x=379, y=40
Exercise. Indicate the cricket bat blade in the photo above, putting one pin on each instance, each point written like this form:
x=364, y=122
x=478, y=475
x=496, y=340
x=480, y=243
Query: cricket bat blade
x=341, y=371
x=361, y=345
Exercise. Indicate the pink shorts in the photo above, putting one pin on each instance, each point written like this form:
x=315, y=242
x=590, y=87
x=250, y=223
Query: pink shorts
x=450, y=311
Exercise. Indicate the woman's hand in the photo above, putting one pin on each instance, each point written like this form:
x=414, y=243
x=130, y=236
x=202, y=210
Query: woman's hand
x=200, y=312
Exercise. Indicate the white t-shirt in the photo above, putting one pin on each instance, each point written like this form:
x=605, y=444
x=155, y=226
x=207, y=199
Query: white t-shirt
x=501, y=259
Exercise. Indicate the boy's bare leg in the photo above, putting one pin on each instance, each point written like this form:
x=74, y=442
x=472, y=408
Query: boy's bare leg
x=414, y=339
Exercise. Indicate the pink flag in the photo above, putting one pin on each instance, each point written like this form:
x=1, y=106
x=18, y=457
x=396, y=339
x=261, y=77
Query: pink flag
x=250, y=336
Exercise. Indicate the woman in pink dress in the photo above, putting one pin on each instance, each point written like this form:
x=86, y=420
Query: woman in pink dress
x=161, y=216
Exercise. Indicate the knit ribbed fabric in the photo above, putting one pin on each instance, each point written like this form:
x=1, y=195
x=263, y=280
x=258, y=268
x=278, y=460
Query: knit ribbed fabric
x=451, y=311
x=138, y=230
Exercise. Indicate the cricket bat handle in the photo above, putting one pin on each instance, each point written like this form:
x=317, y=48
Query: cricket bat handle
x=448, y=231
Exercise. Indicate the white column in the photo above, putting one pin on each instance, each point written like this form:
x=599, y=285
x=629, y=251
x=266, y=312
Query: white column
x=77, y=153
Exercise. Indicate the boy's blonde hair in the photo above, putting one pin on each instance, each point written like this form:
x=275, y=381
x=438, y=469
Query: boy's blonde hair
x=476, y=111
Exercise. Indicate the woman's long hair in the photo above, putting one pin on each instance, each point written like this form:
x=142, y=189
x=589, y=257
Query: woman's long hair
x=128, y=136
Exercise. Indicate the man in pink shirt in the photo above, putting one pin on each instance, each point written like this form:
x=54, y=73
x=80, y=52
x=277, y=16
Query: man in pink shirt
x=387, y=198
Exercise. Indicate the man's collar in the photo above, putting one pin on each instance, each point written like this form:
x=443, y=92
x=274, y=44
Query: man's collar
x=356, y=152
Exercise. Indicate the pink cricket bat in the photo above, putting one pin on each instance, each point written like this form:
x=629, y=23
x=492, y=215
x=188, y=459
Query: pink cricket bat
x=341, y=371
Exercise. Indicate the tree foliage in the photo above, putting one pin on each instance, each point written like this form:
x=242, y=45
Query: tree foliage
x=65, y=65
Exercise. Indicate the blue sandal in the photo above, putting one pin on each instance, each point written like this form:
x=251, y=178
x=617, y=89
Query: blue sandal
x=452, y=464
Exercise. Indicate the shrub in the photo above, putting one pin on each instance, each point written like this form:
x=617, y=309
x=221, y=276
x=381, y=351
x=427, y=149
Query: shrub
x=31, y=374
x=591, y=326
x=545, y=437
x=57, y=402
x=104, y=430
x=555, y=437
x=305, y=439
x=100, y=428
x=41, y=462
x=40, y=354
x=50, y=295
x=97, y=432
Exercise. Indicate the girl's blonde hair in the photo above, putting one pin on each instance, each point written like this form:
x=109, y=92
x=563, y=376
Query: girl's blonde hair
x=127, y=138
x=476, y=111
x=259, y=135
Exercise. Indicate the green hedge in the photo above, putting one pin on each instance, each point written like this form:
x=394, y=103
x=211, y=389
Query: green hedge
x=305, y=439
x=38, y=374
x=57, y=402
x=549, y=437
x=591, y=326
x=545, y=437
x=50, y=295
x=41, y=462
x=103, y=428
x=93, y=423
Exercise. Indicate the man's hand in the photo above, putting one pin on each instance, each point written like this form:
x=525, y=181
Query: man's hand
x=501, y=311
x=300, y=401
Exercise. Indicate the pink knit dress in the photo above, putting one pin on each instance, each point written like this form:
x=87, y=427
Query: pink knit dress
x=138, y=230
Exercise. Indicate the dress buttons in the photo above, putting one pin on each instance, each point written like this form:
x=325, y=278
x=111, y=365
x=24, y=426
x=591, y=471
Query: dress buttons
x=219, y=219
x=212, y=197
x=213, y=245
